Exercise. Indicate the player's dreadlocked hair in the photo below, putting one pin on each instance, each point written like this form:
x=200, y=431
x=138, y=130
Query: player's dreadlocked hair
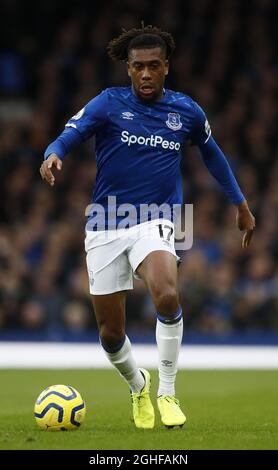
x=145, y=38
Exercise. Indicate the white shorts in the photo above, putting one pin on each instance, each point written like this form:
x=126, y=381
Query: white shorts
x=114, y=255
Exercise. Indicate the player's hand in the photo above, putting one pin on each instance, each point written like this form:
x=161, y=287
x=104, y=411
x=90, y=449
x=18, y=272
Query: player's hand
x=245, y=222
x=53, y=161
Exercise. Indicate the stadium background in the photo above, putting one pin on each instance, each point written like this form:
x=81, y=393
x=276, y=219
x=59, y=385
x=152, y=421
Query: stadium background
x=52, y=61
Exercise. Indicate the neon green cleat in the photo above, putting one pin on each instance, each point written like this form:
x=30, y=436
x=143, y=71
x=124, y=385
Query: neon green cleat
x=170, y=412
x=143, y=411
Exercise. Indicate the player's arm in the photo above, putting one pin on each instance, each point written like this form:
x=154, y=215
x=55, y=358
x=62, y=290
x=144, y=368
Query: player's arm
x=69, y=140
x=220, y=169
x=79, y=128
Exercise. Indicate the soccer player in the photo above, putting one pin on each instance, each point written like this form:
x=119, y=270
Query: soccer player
x=138, y=133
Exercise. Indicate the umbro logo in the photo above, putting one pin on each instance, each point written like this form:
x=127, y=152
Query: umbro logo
x=166, y=363
x=127, y=115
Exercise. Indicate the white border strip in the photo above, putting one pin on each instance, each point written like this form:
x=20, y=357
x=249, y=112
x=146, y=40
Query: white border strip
x=90, y=355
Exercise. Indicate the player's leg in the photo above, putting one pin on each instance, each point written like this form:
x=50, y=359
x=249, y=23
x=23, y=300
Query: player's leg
x=159, y=271
x=109, y=277
x=110, y=315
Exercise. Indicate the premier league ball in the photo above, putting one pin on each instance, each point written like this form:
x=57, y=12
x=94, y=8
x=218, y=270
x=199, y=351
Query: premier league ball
x=59, y=408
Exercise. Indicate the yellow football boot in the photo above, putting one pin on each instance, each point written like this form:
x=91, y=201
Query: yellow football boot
x=170, y=412
x=143, y=411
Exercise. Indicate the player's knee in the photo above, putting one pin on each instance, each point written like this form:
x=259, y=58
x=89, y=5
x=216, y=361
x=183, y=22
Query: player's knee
x=166, y=300
x=111, y=338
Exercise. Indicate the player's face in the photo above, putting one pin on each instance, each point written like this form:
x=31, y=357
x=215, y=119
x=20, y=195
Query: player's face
x=147, y=69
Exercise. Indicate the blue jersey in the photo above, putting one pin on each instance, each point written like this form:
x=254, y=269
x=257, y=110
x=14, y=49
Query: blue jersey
x=138, y=145
x=138, y=152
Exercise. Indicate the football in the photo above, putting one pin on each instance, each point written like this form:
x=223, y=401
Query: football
x=59, y=408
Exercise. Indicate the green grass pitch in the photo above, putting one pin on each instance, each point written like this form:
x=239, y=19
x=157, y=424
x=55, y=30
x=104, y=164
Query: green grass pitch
x=225, y=410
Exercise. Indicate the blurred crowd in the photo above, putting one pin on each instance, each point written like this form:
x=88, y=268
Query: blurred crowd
x=52, y=61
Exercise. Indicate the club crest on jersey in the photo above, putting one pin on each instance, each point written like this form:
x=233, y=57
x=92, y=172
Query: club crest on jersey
x=127, y=115
x=173, y=121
